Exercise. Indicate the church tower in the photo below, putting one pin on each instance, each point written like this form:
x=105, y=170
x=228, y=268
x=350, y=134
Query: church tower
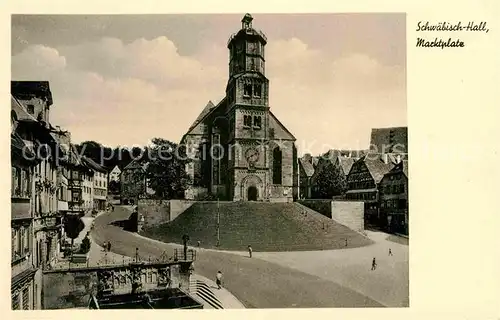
x=249, y=154
x=247, y=97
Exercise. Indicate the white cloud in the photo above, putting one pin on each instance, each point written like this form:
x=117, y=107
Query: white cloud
x=37, y=61
x=333, y=101
x=126, y=93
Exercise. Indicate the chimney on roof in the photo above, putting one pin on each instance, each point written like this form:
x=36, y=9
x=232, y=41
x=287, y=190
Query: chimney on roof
x=385, y=158
x=398, y=158
x=307, y=157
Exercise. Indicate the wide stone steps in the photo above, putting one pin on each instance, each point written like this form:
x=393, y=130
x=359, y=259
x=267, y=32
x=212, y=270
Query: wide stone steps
x=205, y=293
x=264, y=226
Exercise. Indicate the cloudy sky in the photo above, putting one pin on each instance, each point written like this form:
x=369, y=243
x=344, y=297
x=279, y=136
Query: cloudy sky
x=124, y=79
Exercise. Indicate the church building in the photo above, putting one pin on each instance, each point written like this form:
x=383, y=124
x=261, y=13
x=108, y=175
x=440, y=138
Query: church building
x=239, y=149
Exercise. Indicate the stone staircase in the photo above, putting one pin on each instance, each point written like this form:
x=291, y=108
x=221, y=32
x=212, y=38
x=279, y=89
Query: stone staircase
x=265, y=226
x=203, y=291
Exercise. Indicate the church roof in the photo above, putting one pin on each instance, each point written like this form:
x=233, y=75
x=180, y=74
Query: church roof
x=280, y=131
x=202, y=115
x=209, y=109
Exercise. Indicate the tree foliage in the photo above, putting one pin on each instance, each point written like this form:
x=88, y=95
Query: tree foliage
x=114, y=187
x=85, y=246
x=165, y=171
x=73, y=225
x=330, y=182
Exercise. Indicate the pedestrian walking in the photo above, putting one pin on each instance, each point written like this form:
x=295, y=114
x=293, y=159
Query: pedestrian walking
x=390, y=252
x=109, y=245
x=219, y=279
x=105, y=245
x=250, y=250
x=346, y=242
x=374, y=264
x=198, y=243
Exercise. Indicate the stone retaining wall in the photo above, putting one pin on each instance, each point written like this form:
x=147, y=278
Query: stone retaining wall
x=157, y=212
x=348, y=213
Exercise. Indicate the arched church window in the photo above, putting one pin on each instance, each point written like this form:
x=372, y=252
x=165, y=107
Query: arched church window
x=247, y=90
x=257, y=122
x=277, y=164
x=257, y=90
x=247, y=121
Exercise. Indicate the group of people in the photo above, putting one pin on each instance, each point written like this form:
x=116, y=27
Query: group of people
x=107, y=246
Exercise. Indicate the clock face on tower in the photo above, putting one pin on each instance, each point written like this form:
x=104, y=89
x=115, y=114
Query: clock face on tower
x=252, y=156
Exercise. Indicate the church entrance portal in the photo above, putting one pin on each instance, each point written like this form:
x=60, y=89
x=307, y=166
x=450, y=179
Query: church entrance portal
x=252, y=193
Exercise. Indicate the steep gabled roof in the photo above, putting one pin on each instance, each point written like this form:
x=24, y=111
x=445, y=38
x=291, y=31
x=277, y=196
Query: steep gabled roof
x=20, y=110
x=197, y=128
x=93, y=165
x=307, y=166
x=280, y=131
x=377, y=167
x=401, y=167
x=202, y=115
x=315, y=161
x=346, y=164
x=333, y=154
x=134, y=164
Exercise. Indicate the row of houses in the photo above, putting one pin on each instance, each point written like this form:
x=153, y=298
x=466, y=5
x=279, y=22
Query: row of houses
x=49, y=182
x=377, y=176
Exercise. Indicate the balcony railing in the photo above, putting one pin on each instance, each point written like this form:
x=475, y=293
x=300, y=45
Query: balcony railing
x=180, y=256
x=19, y=193
x=248, y=31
